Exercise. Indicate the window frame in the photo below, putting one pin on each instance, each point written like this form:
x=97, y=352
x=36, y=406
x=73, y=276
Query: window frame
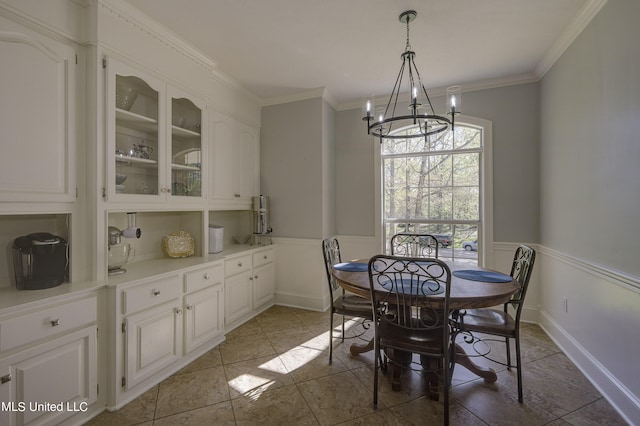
x=485, y=230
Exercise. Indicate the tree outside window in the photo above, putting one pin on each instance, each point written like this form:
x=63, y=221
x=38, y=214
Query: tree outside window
x=432, y=185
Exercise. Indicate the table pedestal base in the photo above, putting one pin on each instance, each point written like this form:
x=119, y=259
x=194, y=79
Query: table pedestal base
x=488, y=374
x=403, y=359
x=357, y=349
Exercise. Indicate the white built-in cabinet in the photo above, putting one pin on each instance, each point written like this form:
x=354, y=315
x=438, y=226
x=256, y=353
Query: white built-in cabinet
x=203, y=305
x=238, y=294
x=152, y=327
x=249, y=284
x=162, y=320
x=234, y=158
x=155, y=133
x=152, y=146
x=38, y=116
x=48, y=354
x=264, y=277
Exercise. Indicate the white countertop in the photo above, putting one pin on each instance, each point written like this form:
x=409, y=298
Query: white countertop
x=10, y=297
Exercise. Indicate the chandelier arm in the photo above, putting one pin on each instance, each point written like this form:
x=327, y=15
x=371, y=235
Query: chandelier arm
x=424, y=90
x=394, y=94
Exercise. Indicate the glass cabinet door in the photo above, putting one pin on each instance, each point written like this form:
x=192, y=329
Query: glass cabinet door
x=134, y=134
x=186, y=147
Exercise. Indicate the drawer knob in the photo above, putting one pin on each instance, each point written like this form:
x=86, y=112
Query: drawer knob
x=156, y=292
x=55, y=322
x=207, y=276
x=239, y=264
x=5, y=379
x=179, y=311
x=189, y=307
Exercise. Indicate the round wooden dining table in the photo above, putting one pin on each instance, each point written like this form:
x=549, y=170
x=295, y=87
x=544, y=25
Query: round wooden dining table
x=465, y=294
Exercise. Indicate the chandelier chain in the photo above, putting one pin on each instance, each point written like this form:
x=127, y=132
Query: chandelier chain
x=408, y=46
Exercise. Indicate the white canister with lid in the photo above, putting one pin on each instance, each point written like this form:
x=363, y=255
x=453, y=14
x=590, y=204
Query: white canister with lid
x=216, y=235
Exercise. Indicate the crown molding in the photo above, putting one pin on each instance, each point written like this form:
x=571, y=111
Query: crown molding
x=579, y=23
x=492, y=83
x=320, y=92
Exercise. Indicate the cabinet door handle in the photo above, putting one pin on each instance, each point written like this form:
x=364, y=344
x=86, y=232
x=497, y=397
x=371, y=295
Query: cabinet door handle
x=156, y=292
x=179, y=311
x=265, y=257
x=207, y=276
x=236, y=195
x=55, y=322
x=256, y=277
x=5, y=379
x=239, y=264
x=189, y=307
x=250, y=278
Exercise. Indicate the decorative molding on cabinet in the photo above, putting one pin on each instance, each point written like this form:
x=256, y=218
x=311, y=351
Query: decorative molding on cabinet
x=72, y=33
x=150, y=28
x=141, y=22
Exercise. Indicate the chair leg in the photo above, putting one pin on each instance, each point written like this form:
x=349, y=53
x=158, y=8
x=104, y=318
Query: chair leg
x=331, y=338
x=519, y=367
x=376, y=348
x=445, y=390
x=506, y=341
x=343, y=329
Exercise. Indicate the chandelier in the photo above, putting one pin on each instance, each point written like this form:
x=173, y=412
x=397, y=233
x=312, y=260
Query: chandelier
x=420, y=112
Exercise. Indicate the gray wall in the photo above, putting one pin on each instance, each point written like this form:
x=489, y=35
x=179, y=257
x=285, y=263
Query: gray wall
x=291, y=167
x=355, y=172
x=514, y=111
x=328, y=170
x=297, y=168
x=590, y=143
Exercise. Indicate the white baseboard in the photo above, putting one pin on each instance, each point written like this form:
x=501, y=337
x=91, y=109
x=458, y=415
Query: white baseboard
x=611, y=388
x=598, y=329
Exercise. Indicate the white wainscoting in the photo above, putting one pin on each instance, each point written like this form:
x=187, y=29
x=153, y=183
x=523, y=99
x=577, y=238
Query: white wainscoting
x=598, y=327
x=301, y=277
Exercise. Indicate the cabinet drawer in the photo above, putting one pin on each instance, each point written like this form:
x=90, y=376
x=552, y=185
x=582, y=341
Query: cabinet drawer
x=149, y=294
x=262, y=257
x=203, y=278
x=47, y=322
x=237, y=265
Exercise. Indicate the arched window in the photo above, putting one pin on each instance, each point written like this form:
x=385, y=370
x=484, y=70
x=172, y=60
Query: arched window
x=438, y=185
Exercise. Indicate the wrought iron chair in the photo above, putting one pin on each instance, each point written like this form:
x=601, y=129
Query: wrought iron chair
x=501, y=323
x=344, y=304
x=414, y=245
x=408, y=320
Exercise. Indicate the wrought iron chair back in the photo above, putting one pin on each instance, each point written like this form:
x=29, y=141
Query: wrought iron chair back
x=331, y=253
x=414, y=245
x=494, y=322
x=409, y=318
x=521, y=269
x=342, y=303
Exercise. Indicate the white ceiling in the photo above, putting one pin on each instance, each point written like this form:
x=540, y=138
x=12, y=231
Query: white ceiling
x=282, y=48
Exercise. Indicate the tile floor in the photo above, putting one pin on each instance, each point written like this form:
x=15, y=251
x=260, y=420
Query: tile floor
x=274, y=370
